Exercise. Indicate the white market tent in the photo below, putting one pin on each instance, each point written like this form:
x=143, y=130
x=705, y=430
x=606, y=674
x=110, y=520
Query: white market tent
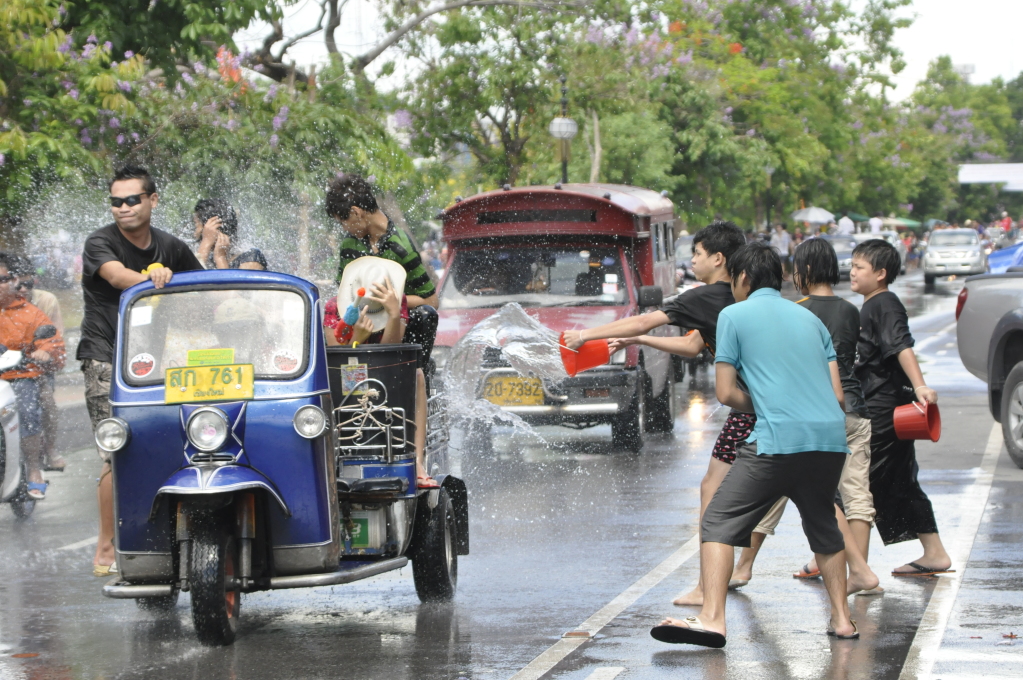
x=813, y=215
x=1008, y=174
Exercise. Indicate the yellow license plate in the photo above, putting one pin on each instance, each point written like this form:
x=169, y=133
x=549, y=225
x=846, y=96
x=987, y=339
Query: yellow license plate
x=513, y=391
x=232, y=382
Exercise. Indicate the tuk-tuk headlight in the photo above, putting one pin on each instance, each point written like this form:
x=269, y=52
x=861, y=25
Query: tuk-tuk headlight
x=112, y=434
x=310, y=421
x=207, y=429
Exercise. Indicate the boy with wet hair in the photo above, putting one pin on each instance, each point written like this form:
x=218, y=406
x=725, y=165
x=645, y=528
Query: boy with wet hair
x=695, y=310
x=814, y=272
x=797, y=448
x=890, y=375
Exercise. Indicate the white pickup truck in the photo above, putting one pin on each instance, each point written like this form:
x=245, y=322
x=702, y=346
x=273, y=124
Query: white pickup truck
x=989, y=313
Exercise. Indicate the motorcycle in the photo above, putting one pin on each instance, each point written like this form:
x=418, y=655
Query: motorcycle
x=247, y=456
x=13, y=467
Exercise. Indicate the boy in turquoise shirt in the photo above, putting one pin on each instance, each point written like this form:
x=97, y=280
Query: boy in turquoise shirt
x=797, y=449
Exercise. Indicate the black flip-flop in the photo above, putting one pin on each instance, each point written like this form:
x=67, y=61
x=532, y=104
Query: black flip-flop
x=855, y=634
x=920, y=570
x=805, y=574
x=682, y=635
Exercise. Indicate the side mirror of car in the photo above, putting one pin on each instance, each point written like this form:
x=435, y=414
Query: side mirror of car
x=45, y=332
x=650, y=296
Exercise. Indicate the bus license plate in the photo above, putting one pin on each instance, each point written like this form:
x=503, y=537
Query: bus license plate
x=508, y=391
x=234, y=382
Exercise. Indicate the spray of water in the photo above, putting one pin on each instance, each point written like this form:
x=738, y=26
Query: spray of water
x=528, y=346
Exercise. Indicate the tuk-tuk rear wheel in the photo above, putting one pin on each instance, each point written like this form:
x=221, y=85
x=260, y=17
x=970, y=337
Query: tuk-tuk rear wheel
x=215, y=609
x=435, y=560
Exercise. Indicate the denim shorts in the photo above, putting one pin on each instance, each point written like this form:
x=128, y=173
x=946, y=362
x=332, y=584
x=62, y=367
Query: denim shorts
x=30, y=409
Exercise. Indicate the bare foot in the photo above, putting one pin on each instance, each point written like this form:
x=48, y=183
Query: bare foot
x=704, y=625
x=847, y=628
x=857, y=582
x=694, y=598
x=743, y=571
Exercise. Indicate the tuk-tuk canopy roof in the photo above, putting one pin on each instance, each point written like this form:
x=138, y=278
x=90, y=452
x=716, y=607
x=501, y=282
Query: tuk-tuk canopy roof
x=593, y=209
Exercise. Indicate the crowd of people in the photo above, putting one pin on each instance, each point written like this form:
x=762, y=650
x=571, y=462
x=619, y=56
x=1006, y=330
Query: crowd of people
x=816, y=426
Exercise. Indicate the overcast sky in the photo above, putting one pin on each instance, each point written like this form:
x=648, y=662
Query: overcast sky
x=984, y=33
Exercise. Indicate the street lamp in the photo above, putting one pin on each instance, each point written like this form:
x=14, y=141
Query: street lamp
x=564, y=129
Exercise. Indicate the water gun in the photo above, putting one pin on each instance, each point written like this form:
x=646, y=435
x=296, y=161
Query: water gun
x=352, y=313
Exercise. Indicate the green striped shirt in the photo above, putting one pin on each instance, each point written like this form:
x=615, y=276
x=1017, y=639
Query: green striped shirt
x=393, y=245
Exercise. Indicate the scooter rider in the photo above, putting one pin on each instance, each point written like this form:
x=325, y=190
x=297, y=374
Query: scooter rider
x=19, y=321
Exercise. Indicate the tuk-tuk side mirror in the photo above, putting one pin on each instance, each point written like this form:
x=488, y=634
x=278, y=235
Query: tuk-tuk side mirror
x=650, y=296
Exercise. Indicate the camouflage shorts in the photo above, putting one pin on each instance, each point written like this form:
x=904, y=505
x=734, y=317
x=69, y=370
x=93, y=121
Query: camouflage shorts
x=98, y=375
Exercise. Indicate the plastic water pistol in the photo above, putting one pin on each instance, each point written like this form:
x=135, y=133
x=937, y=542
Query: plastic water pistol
x=352, y=313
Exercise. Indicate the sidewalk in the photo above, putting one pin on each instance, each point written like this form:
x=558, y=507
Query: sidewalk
x=70, y=389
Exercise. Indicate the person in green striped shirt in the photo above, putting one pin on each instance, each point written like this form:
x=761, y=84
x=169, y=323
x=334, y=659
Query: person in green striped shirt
x=368, y=231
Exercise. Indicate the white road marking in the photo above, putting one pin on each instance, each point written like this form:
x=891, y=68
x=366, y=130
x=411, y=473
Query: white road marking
x=919, y=347
x=926, y=643
x=80, y=544
x=608, y=673
x=550, y=658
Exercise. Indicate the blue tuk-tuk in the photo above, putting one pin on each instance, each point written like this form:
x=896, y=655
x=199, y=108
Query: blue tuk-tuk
x=248, y=456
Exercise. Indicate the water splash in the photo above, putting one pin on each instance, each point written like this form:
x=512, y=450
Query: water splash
x=528, y=346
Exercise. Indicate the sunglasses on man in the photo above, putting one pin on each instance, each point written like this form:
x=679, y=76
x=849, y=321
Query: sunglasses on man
x=26, y=285
x=132, y=200
x=7, y=278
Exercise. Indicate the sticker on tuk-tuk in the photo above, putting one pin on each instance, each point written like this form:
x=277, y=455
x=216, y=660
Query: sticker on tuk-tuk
x=141, y=365
x=211, y=357
x=189, y=384
x=141, y=316
x=285, y=362
x=351, y=376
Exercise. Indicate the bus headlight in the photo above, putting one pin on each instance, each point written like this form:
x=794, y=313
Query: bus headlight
x=310, y=421
x=207, y=429
x=112, y=434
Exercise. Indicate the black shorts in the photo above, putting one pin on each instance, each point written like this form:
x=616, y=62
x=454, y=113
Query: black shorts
x=737, y=429
x=755, y=483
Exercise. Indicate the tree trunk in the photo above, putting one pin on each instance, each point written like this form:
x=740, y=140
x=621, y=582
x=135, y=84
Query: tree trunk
x=597, y=150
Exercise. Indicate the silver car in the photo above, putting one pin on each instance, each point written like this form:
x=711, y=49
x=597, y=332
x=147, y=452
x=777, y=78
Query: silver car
x=953, y=251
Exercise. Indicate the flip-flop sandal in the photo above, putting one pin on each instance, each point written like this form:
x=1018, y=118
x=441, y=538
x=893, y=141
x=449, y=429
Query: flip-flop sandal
x=427, y=483
x=37, y=490
x=694, y=634
x=103, y=570
x=920, y=570
x=805, y=574
x=855, y=634
x=871, y=592
x=737, y=583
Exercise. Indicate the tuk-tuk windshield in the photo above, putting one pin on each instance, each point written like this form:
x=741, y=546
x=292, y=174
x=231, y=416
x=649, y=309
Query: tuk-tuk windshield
x=263, y=327
x=546, y=276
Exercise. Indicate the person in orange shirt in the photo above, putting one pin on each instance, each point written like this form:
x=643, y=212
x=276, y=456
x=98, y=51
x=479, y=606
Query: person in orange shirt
x=19, y=321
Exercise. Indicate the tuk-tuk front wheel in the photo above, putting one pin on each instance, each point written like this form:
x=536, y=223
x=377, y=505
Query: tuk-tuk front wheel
x=215, y=607
x=435, y=560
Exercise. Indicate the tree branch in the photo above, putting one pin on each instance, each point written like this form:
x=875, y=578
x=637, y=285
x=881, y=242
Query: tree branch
x=306, y=34
x=333, y=22
x=363, y=61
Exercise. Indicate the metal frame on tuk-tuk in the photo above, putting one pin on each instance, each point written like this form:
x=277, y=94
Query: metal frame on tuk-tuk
x=309, y=464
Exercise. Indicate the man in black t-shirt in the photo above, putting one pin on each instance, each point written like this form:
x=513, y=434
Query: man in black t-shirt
x=695, y=310
x=117, y=257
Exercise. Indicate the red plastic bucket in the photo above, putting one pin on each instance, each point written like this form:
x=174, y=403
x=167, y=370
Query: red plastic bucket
x=918, y=420
x=592, y=354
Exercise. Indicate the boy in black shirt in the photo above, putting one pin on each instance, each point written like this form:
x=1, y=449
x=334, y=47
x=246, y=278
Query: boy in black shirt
x=890, y=376
x=696, y=310
x=115, y=258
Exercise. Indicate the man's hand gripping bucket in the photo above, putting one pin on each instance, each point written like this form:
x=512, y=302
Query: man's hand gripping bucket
x=918, y=420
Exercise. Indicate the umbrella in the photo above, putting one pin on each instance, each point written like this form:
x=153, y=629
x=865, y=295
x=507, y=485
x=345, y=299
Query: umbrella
x=856, y=217
x=898, y=222
x=813, y=215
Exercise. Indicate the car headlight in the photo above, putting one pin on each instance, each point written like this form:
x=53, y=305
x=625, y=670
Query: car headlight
x=207, y=429
x=618, y=357
x=310, y=421
x=112, y=434
x=440, y=357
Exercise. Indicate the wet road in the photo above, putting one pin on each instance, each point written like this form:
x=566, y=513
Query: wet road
x=566, y=535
